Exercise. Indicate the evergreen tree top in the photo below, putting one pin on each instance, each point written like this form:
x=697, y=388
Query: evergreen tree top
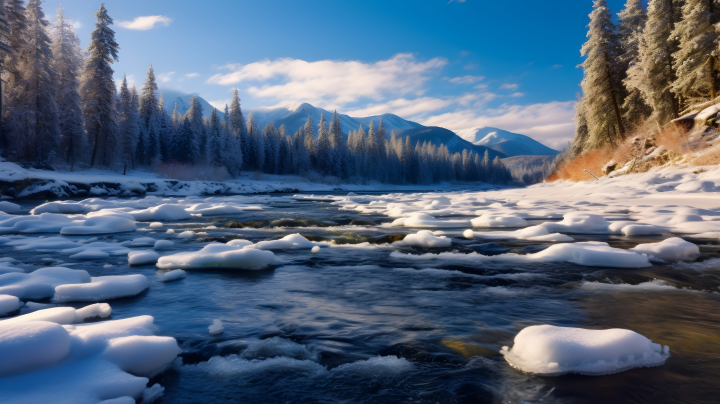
x=102, y=42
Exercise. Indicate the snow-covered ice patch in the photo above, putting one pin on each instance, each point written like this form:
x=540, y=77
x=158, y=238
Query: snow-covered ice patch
x=289, y=242
x=653, y=285
x=216, y=328
x=163, y=244
x=423, y=238
x=550, y=351
x=672, y=249
x=164, y=212
x=8, y=304
x=174, y=275
x=146, y=257
x=425, y=220
x=492, y=220
x=102, y=288
x=217, y=255
x=41, y=283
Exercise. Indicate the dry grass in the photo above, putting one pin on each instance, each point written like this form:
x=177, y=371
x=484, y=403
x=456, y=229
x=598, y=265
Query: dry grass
x=574, y=170
x=710, y=156
x=185, y=172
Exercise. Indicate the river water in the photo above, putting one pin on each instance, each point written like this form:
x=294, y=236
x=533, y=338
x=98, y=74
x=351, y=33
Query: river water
x=355, y=325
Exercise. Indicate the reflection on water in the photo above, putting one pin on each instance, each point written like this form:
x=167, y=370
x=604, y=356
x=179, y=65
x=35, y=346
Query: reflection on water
x=353, y=325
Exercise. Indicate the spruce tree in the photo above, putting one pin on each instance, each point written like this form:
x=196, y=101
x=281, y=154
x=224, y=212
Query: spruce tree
x=237, y=129
x=216, y=146
x=600, y=82
x=33, y=124
x=322, y=148
x=197, y=123
x=632, y=23
x=128, y=125
x=6, y=52
x=68, y=63
x=98, y=90
x=150, y=118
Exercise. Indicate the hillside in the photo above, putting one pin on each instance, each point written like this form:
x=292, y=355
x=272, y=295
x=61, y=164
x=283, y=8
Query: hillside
x=183, y=102
x=454, y=143
x=508, y=143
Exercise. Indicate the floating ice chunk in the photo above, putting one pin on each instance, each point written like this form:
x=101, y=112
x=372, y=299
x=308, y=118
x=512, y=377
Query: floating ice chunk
x=6, y=268
x=140, y=242
x=593, y=254
x=8, y=304
x=102, y=222
x=276, y=347
x=67, y=208
x=9, y=207
x=45, y=223
x=97, y=310
x=152, y=394
x=239, y=243
x=63, y=315
x=653, y=285
x=533, y=233
x=216, y=328
x=289, y=242
x=91, y=254
x=186, y=234
x=156, y=225
x=425, y=220
x=41, y=283
x=165, y=212
x=146, y=257
x=315, y=249
x=379, y=366
x=211, y=209
x=216, y=255
x=170, y=231
x=423, y=238
x=102, y=288
x=672, y=249
x=550, y=351
x=234, y=365
x=163, y=244
x=91, y=250
x=490, y=220
x=32, y=345
x=641, y=230
x=174, y=275
x=42, y=244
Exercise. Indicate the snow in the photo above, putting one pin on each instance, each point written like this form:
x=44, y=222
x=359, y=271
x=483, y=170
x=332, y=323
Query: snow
x=102, y=222
x=9, y=207
x=63, y=315
x=315, y=250
x=186, y=234
x=155, y=225
x=239, y=243
x=672, y=249
x=60, y=207
x=423, y=238
x=174, y=275
x=289, y=242
x=491, y=220
x=425, y=220
x=163, y=244
x=102, y=288
x=217, y=255
x=146, y=257
x=8, y=304
x=170, y=231
x=550, y=351
x=41, y=283
x=165, y=212
x=216, y=328
x=212, y=209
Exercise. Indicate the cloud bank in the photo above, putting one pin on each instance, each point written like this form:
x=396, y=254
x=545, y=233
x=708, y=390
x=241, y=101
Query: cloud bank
x=145, y=23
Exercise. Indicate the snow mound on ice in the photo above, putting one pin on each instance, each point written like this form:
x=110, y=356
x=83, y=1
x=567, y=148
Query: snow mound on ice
x=491, y=220
x=212, y=209
x=423, y=238
x=641, y=230
x=216, y=328
x=163, y=244
x=42, y=244
x=217, y=255
x=185, y=235
x=44, y=362
x=140, y=242
x=672, y=249
x=174, y=275
x=550, y=351
x=425, y=220
x=69, y=208
x=156, y=225
x=44, y=223
x=41, y=283
x=289, y=242
x=239, y=243
x=8, y=304
x=146, y=257
x=63, y=315
x=102, y=288
x=9, y=207
x=102, y=222
x=164, y=212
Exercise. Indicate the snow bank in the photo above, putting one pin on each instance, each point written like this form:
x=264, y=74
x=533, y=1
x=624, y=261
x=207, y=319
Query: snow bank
x=507, y=220
x=289, y=242
x=216, y=255
x=102, y=288
x=165, y=212
x=142, y=257
x=550, y=351
x=423, y=238
x=44, y=362
x=41, y=283
x=8, y=304
x=672, y=249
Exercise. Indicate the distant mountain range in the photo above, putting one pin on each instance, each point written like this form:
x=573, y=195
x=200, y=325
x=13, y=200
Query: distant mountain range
x=499, y=142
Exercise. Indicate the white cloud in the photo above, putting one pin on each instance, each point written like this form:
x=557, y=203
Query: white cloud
x=145, y=23
x=465, y=79
x=192, y=75
x=509, y=86
x=471, y=66
x=165, y=77
x=219, y=104
x=557, y=66
x=518, y=94
x=550, y=123
x=332, y=83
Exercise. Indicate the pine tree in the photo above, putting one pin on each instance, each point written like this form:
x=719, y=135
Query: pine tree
x=600, y=82
x=323, y=153
x=98, y=90
x=150, y=118
x=184, y=148
x=256, y=145
x=632, y=23
x=581, y=131
x=216, y=139
x=165, y=132
x=68, y=63
x=16, y=39
x=237, y=129
x=270, y=138
x=32, y=123
x=6, y=52
x=195, y=115
x=695, y=61
x=128, y=125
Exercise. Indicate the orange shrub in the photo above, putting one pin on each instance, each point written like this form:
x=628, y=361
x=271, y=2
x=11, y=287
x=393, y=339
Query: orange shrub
x=574, y=170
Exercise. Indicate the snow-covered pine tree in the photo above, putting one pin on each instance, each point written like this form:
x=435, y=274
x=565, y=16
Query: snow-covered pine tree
x=98, y=90
x=309, y=139
x=600, y=82
x=632, y=23
x=695, y=61
x=16, y=38
x=33, y=127
x=581, y=132
x=272, y=148
x=149, y=118
x=339, y=148
x=256, y=153
x=185, y=148
x=6, y=52
x=68, y=63
x=216, y=144
x=238, y=129
x=166, y=130
x=197, y=123
x=176, y=117
x=128, y=126
x=323, y=154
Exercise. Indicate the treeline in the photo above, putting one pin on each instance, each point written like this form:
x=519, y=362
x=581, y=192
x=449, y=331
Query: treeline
x=652, y=67
x=60, y=104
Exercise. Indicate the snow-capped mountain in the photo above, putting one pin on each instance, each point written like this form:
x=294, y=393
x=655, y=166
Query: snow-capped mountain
x=183, y=102
x=293, y=116
x=508, y=143
x=454, y=143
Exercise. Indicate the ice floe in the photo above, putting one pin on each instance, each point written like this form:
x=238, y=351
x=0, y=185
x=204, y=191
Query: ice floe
x=101, y=288
x=550, y=351
x=147, y=257
x=8, y=304
x=493, y=220
x=672, y=249
x=289, y=242
x=423, y=238
x=40, y=284
x=427, y=221
x=174, y=275
x=163, y=244
x=216, y=328
x=164, y=212
x=217, y=255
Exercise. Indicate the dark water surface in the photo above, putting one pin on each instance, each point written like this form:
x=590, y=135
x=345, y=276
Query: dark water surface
x=354, y=325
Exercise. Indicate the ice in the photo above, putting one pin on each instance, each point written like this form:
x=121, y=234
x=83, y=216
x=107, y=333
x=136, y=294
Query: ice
x=423, y=238
x=174, y=275
x=289, y=242
x=239, y=243
x=6, y=268
x=8, y=304
x=186, y=234
x=277, y=347
x=379, y=366
x=90, y=255
x=217, y=255
x=550, y=351
x=163, y=244
x=216, y=328
x=491, y=220
x=170, y=231
x=9, y=207
x=140, y=242
x=164, y=212
x=425, y=220
x=147, y=257
x=233, y=366
x=653, y=285
x=102, y=222
x=156, y=225
x=30, y=345
x=102, y=288
x=315, y=250
x=641, y=230
x=60, y=207
x=212, y=209
x=44, y=223
x=62, y=315
x=152, y=394
x=672, y=249
x=42, y=244
x=41, y=283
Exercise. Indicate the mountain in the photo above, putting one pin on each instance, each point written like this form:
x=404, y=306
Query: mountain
x=510, y=144
x=293, y=116
x=455, y=144
x=183, y=102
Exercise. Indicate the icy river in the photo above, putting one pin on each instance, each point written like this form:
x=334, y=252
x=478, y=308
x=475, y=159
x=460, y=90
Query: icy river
x=368, y=319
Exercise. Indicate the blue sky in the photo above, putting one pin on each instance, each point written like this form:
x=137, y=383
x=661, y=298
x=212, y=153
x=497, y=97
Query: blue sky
x=457, y=64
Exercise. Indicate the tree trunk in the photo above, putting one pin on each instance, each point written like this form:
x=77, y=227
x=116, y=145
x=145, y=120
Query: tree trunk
x=616, y=107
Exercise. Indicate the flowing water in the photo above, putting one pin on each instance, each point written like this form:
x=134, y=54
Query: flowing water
x=355, y=325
